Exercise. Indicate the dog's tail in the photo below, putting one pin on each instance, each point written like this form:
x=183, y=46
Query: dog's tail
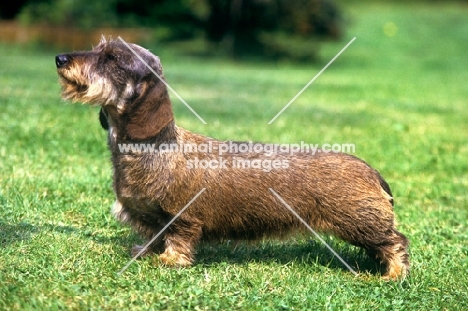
x=386, y=188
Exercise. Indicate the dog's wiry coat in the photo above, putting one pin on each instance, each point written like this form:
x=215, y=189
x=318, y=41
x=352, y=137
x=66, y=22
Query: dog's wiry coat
x=334, y=192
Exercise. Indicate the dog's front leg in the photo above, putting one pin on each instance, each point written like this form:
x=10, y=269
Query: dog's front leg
x=180, y=242
x=156, y=247
x=123, y=215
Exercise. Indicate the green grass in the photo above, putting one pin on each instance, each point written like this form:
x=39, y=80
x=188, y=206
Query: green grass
x=402, y=100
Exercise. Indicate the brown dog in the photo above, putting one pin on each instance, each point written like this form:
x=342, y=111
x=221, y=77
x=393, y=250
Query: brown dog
x=333, y=192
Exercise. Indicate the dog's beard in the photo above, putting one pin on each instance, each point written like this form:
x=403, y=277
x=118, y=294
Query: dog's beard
x=71, y=90
x=101, y=91
x=79, y=88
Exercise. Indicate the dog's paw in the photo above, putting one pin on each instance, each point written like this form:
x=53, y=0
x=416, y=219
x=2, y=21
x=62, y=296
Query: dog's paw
x=174, y=259
x=396, y=273
x=137, y=250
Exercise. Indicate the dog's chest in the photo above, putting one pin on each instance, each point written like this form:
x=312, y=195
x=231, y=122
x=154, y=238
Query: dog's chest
x=140, y=178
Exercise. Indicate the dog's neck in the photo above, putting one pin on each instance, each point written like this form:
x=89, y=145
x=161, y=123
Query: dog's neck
x=120, y=145
x=140, y=119
x=117, y=127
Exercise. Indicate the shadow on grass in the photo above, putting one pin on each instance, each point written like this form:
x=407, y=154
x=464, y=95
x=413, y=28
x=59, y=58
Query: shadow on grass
x=308, y=252
x=11, y=233
x=18, y=232
x=303, y=252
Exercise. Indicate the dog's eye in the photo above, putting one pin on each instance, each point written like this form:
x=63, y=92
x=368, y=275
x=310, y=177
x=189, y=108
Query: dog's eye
x=110, y=57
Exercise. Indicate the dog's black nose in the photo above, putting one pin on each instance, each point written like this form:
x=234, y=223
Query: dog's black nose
x=61, y=60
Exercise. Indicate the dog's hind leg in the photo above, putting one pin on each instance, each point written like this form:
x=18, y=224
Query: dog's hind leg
x=394, y=254
x=373, y=228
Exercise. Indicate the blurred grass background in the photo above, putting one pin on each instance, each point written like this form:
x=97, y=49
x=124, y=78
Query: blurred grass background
x=398, y=93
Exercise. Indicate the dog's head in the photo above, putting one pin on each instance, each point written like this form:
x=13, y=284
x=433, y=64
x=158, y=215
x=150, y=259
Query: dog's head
x=125, y=79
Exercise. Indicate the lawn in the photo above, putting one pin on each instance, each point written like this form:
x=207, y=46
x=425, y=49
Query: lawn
x=399, y=93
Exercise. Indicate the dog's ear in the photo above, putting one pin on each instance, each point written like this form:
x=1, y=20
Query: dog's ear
x=151, y=115
x=103, y=120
